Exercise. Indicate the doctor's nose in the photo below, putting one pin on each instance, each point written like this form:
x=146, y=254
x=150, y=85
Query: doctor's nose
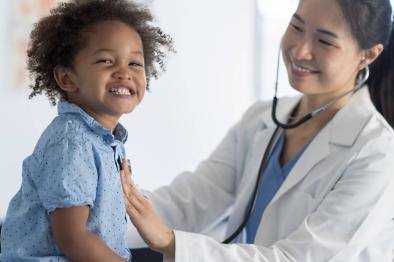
x=302, y=50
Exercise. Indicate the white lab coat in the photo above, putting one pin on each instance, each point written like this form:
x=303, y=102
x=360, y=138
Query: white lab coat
x=337, y=203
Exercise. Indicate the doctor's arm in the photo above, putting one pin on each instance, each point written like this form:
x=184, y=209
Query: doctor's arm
x=196, y=201
x=348, y=217
x=140, y=210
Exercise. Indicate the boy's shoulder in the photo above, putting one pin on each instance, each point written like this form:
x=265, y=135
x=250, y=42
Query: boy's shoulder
x=67, y=127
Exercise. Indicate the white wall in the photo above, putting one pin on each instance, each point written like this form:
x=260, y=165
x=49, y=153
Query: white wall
x=208, y=85
x=273, y=18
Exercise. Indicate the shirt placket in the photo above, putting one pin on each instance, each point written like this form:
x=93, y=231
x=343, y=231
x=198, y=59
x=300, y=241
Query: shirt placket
x=117, y=155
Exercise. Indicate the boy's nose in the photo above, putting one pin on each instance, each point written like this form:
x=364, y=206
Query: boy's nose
x=122, y=74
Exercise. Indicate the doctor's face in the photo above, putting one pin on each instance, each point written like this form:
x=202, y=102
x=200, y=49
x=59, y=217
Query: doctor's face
x=320, y=54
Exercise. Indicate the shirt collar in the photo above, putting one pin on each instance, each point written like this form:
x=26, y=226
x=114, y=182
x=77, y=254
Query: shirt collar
x=119, y=134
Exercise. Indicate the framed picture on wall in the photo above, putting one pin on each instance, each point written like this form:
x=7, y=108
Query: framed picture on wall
x=22, y=15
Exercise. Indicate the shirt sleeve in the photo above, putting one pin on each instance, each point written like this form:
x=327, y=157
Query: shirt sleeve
x=67, y=175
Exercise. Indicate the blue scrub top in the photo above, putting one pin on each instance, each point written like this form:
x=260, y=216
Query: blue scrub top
x=272, y=178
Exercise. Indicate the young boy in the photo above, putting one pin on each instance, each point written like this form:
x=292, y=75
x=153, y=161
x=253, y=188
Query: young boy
x=95, y=58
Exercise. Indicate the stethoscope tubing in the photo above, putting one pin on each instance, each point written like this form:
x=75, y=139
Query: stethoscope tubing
x=252, y=203
x=360, y=84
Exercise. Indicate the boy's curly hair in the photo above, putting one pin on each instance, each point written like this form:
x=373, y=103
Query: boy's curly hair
x=57, y=38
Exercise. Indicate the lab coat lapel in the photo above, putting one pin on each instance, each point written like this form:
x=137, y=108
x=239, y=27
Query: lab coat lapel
x=260, y=143
x=342, y=130
x=315, y=152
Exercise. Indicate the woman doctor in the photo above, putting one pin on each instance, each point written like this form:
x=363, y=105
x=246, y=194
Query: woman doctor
x=325, y=188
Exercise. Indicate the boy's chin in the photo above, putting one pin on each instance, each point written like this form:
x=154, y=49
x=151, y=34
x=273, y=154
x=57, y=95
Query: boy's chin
x=130, y=109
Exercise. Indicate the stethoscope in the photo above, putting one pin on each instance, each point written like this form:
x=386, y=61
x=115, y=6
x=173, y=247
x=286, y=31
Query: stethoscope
x=361, y=80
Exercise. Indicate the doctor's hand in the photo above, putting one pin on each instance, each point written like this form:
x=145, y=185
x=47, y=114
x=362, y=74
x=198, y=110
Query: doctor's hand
x=140, y=210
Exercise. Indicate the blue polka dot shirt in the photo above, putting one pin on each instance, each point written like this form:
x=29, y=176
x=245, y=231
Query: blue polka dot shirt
x=75, y=163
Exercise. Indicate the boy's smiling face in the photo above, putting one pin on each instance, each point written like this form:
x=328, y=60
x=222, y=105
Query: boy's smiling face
x=107, y=78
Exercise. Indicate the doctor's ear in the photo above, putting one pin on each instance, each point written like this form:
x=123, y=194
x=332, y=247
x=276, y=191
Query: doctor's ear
x=370, y=55
x=64, y=78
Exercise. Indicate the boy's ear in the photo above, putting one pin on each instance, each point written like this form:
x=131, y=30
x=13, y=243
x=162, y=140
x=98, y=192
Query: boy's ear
x=64, y=78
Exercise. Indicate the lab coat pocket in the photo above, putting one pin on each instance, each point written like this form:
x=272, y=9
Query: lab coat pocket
x=297, y=205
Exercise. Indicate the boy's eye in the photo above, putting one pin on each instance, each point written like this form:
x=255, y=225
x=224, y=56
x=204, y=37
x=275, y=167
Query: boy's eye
x=104, y=61
x=297, y=28
x=135, y=64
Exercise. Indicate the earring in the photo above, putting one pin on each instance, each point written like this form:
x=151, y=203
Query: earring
x=363, y=77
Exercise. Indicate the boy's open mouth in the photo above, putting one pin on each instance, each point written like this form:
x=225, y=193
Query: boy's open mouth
x=122, y=91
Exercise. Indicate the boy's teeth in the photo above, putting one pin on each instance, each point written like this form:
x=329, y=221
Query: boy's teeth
x=120, y=91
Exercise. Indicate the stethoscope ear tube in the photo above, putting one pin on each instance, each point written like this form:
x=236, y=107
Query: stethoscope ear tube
x=288, y=126
x=361, y=80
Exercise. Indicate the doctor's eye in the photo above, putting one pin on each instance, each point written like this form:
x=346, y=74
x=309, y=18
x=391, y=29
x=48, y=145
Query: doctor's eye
x=324, y=42
x=295, y=27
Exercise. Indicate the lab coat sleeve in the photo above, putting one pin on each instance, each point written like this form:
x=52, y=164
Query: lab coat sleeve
x=351, y=214
x=194, y=201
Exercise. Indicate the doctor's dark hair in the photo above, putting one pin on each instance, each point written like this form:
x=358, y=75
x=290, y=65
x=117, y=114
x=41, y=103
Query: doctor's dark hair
x=56, y=39
x=371, y=23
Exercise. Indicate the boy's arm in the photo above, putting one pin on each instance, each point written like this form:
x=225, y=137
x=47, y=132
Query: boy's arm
x=74, y=240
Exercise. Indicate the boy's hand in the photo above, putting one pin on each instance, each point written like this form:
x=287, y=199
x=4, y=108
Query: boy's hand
x=140, y=210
